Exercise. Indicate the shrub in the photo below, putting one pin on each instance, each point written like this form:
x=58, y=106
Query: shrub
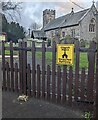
x=82, y=43
x=49, y=43
x=68, y=39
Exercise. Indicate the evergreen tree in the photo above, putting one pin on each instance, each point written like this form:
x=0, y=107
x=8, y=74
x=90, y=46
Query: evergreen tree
x=13, y=30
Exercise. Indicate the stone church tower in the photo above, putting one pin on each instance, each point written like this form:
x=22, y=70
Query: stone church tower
x=48, y=15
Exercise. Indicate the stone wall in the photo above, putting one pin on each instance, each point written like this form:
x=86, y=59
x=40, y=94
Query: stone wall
x=68, y=31
x=84, y=27
x=81, y=31
x=48, y=15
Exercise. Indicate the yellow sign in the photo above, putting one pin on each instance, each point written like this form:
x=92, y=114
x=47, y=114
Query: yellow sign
x=65, y=54
x=2, y=37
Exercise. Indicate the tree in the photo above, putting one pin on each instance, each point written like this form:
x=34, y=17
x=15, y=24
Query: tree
x=10, y=5
x=35, y=26
x=11, y=8
x=13, y=30
x=4, y=23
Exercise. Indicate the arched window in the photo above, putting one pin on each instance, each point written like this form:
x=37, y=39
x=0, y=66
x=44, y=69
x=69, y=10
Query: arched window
x=63, y=34
x=73, y=33
x=92, y=25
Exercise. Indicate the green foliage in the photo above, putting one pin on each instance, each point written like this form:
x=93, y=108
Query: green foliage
x=68, y=39
x=83, y=59
x=4, y=24
x=82, y=43
x=7, y=52
x=13, y=30
x=87, y=116
x=49, y=43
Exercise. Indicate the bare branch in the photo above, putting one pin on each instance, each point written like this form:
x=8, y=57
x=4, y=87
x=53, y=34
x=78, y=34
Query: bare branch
x=10, y=6
x=13, y=8
x=10, y=16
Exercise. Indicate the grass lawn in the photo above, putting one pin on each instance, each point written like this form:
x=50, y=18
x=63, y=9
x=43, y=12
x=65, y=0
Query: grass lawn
x=7, y=52
x=0, y=60
x=83, y=59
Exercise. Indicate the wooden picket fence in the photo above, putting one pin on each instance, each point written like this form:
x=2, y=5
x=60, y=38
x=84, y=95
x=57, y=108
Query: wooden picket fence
x=54, y=83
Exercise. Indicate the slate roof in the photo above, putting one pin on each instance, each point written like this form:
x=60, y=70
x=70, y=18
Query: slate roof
x=66, y=20
x=38, y=34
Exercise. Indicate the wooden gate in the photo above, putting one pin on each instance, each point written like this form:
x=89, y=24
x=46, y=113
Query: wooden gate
x=58, y=84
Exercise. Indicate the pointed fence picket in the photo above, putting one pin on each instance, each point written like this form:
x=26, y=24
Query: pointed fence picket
x=53, y=83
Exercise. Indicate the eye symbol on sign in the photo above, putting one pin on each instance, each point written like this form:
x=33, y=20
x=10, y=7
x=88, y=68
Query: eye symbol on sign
x=65, y=55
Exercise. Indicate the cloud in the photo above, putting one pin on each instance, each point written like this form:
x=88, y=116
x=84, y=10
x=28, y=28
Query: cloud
x=33, y=11
x=63, y=8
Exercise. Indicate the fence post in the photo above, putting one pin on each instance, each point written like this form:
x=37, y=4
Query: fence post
x=29, y=80
x=91, y=67
x=43, y=70
x=25, y=68
x=58, y=84
x=8, y=76
x=53, y=70
x=33, y=69
x=48, y=82
x=38, y=81
x=64, y=79
x=83, y=76
x=16, y=77
x=77, y=69
x=70, y=81
x=3, y=65
x=97, y=68
x=20, y=68
x=11, y=65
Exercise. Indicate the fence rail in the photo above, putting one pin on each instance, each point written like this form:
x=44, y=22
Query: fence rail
x=81, y=49
x=56, y=84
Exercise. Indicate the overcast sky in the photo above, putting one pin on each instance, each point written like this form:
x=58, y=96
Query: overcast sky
x=32, y=10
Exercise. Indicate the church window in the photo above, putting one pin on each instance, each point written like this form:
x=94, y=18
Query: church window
x=63, y=34
x=52, y=33
x=73, y=33
x=57, y=32
x=92, y=25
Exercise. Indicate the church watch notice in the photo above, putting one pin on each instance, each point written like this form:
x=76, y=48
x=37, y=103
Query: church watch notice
x=65, y=54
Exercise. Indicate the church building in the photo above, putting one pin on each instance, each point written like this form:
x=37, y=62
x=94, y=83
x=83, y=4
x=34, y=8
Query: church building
x=80, y=25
